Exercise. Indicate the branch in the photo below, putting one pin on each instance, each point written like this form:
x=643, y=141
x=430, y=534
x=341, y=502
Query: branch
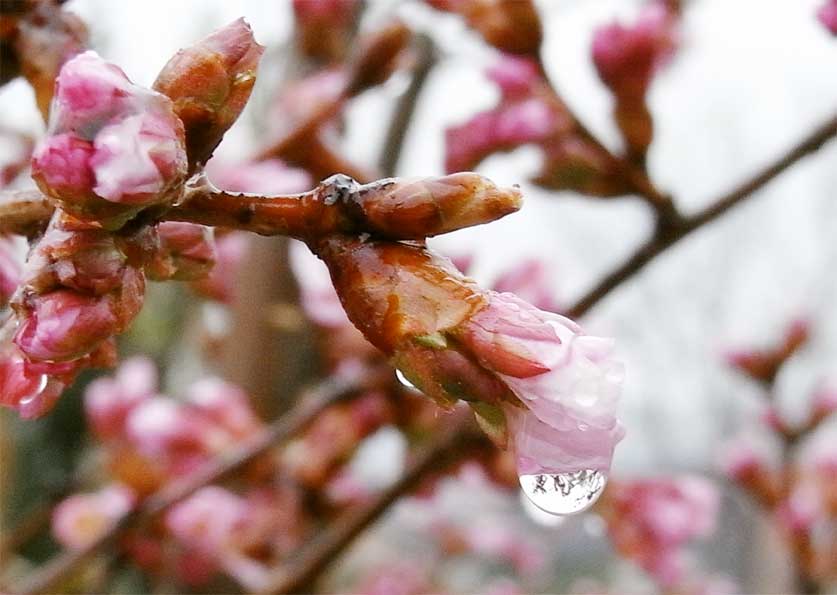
x=298, y=573
x=669, y=232
x=406, y=106
x=24, y=212
x=320, y=397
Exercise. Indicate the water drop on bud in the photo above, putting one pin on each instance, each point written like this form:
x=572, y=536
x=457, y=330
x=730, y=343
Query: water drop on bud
x=564, y=493
x=403, y=379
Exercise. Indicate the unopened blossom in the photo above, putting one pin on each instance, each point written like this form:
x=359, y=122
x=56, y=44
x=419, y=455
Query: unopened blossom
x=823, y=402
x=556, y=387
x=802, y=508
x=650, y=521
x=82, y=518
x=210, y=83
x=626, y=58
x=186, y=252
x=515, y=76
x=763, y=364
x=827, y=14
x=113, y=148
x=323, y=27
x=511, y=26
x=78, y=290
x=24, y=388
x=109, y=400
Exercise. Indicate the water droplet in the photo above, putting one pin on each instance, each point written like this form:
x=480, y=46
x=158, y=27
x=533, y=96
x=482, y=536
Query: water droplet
x=564, y=493
x=42, y=384
x=403, y=379
x=538, y=516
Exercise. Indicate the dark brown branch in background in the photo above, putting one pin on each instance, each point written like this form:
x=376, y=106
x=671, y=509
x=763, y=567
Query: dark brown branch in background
x=299, y=573
x=320, y=397
x=406, y=106
x=680, y=227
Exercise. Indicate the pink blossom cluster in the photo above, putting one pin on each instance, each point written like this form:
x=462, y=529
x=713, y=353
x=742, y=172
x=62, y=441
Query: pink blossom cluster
x=827, y=15
x=152, y=441
x=650, y=521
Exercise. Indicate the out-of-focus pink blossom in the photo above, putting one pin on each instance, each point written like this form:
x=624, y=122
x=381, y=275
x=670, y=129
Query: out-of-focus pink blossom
x=271, y=176
x=827, y=14
x=307, y=96
x=801, y=509
x=108, y=401
x=650, y=520
x=317, y=295
x=497, y=542
x=162, y=429
x=113, y=147
x=763, y=364
x=626, y=57
x=207, y=520
x=529, y=280
x=396, y=578
x=230, y=251
x=506, y=127
x=516, y=76
x=823, y=402
x=819, y=454
x=323, y=11
x=224, y=404
x=567, y=382
x=83, y=518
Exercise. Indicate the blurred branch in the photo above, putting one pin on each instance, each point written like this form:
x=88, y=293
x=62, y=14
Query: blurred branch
x=670, y=231
x=406, y=106
x=321, y=396
x=299, y=572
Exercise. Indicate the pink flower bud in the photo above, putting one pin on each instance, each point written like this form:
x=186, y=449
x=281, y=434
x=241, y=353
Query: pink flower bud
x=566, y=381
x=108, y=401
x=823, y=402
x=827, y=14
x=83, y=518
x=64, y=325
x=626, y=57
x=113, y=147
x=161, y=428
x=186, y=252
x=210, y=83
x=501, y=129
x=516, y=76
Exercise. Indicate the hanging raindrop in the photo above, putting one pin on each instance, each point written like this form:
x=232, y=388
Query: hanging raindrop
x=564, y=493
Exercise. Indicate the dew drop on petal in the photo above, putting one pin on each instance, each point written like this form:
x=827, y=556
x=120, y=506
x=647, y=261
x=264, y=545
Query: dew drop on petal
x=564, y=493
x=42, y=384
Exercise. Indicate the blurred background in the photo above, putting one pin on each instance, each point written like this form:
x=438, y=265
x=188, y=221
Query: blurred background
x=750, y=78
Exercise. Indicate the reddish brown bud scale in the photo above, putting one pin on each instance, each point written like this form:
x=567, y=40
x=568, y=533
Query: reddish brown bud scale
x=210, y=84
x=394, y=292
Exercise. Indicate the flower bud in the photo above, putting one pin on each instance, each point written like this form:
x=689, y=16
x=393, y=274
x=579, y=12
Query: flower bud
x=207, y=520
x=210, y=83
x=220, y=284
x=763, y=365
x=113, y=148
x=557, y=387
x=225, y=405
x=827, y=14
x=511, y=26
x=323, y=27
x=186, y=252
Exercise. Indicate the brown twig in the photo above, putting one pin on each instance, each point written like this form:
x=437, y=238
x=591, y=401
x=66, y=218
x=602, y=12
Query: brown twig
x=299, y=572
x=406, y=107
x=320, y=397
x=668, y=234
